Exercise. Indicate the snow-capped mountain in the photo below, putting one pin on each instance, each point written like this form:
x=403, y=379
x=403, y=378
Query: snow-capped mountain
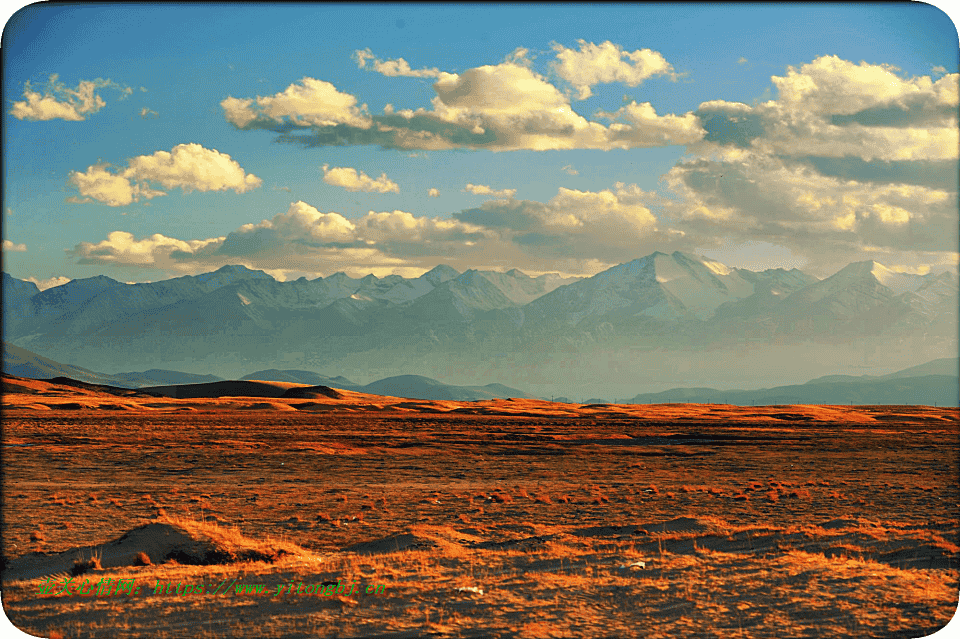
x=659, y=286
x=237, y=319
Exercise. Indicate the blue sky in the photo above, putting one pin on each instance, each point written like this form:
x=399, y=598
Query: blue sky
x=291, y=138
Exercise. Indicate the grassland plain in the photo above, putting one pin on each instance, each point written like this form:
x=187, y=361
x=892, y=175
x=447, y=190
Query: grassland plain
x=503, y=518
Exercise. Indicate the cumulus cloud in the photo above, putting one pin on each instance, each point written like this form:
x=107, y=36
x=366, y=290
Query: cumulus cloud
x=146, y=113
x=578, y=232
x=834, y=108
x=521, y=56
x=351, y=180
x=605, y=63
x=639, y=125
x=569, y=170
x=850, y=161
x=309, y=103
x=58, y=101
x=8, y=245
x=123, y=249
x=50, y=282
x=500, y=107
x=433, y=193
x=301, y=239
x=393, y=68
x=187, y=166
x=827, y=220
x=481, y=189
x=606, y=227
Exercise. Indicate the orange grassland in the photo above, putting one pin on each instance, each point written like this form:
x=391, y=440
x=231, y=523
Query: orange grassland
x=503, y=518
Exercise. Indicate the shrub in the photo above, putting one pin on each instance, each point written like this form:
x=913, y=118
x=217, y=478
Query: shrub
x=81, y=566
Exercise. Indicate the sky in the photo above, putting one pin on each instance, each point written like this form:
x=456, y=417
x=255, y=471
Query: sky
x=147, y=142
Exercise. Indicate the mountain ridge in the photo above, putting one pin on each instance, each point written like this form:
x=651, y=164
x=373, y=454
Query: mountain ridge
x=935, y=382
x=613, y=328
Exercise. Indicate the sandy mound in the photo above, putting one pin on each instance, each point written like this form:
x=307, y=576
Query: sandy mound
x=313, y=392
x=393, y=543
x=186, y=542
x=681, y=524
x=267, y=406
x=13, y=387
x=235, y=388
x=604, y=531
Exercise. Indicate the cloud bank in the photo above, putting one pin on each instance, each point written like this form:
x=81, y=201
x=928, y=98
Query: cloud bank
x=500, y=107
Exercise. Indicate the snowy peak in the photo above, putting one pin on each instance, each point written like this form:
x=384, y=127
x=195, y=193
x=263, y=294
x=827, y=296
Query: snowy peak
x=522, y=289
x=863, y=276
x=896, y=282
x=661, y=286
x=461, y=297
x=439, y=274
x=226, y=275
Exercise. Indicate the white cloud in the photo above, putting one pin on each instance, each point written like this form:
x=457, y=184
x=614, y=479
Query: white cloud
x=310, y=103
x=481, y=189
x=645, y=128
x=393, y=68
x=834, y=108
x=500, y=107
x=187, y=166
x=433, y=193
x=569, y=170
x=148, y=113
x=521, y=56
x=851, y=161
x=50, y=282
x=122, y=249
x=302, y=239
x=830, y=84
x=575, y=231
x=754, y=197
x=351, y=180
x=8, y=245
x=742, y=60
x=605, y=63
x=61, y=102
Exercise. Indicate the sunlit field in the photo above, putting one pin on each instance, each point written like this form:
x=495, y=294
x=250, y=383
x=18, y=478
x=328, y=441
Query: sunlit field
x=504, y=518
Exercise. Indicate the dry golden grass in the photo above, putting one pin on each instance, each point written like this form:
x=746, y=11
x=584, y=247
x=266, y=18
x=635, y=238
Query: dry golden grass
x=585, y=526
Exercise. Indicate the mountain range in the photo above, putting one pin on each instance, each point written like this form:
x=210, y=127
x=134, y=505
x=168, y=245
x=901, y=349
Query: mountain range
x=933, y=383
x=656, y=322
x=23, y=363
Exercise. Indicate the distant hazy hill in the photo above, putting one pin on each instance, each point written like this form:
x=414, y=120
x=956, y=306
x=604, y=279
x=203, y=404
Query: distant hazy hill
x=944, y=366
x=411, y=386
x=156, y=377
x=933, y=383
x=23, y=363
x=301, y=377
x=419, y=387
